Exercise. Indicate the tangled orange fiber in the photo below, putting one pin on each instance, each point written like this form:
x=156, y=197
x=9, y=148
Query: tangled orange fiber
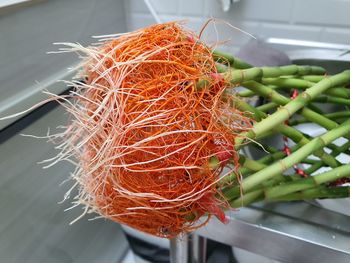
x=146, y=135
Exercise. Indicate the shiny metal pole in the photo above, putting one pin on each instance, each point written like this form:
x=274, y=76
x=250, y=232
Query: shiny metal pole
x=179, y=248
x=188, y=249
x=199, y=249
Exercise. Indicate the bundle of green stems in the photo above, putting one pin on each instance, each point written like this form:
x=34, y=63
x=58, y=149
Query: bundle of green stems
x=269, y=178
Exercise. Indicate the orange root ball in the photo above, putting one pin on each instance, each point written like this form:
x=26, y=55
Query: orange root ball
x=144, y=133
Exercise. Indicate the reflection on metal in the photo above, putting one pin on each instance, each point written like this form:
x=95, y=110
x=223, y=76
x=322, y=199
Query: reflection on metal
x=199, y=248
x=303, y=43
x=188, y=249
x=179, y=250
x=288, y=232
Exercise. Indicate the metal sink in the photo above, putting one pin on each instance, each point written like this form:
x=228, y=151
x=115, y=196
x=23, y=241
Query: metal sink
x=334, y=61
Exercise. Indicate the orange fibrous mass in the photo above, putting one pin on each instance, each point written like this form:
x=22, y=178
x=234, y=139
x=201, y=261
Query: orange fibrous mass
x=145, y=132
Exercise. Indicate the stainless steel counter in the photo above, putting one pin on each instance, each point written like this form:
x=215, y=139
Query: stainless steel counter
x=288, y=232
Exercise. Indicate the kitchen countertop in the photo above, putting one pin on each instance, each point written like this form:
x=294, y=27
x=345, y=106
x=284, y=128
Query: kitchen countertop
x=288, y=232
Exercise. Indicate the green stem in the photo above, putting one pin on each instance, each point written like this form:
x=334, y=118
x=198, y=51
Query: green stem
x=285, y=112
x=247, y=198
x=238, y=76
x=335, y=100
x=284, y=164
x=282, y=100
x=310, y=194
x=275, y=154
x=313, y=193
x=336, y=150
x=248, y=93
x=315, y=164
x=247, y=165
x=307, y=183
x=323, y=192
x=291, y=83
x=267, y=106
x=314, y=167
x=286, y=130
x=229, y=60
x=251, y=164
x=333, y=116
x=313, y=78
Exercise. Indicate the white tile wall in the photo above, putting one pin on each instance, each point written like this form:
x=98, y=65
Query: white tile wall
x=191, y=7
x=322, y=12
x=139, y=20
x=136, y=6
x=341, y=35
x=314, y=20
x=166, y=6
x=290, y=31
x=264, y=10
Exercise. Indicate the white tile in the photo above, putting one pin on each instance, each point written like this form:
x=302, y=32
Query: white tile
x=136, y=21
x=298, y=19
x=195, y=23
x=165, y=6
x=336, y=35
x=260, y=10
x=191, y=23
x=169, y=18
x=266, y=10
x=136, y=6
x=192, y=7
x=231, y=35
x=322, y=12
x=212, y=8
x=250, y=27
x=290, y=31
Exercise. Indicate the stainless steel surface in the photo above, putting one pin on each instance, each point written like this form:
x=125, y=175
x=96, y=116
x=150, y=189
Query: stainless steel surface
x=199, y=248
x=190, y=248
x=33, y=226
x=303, y=43
x=334, y=61
x=179, y=250
x=288, y=232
